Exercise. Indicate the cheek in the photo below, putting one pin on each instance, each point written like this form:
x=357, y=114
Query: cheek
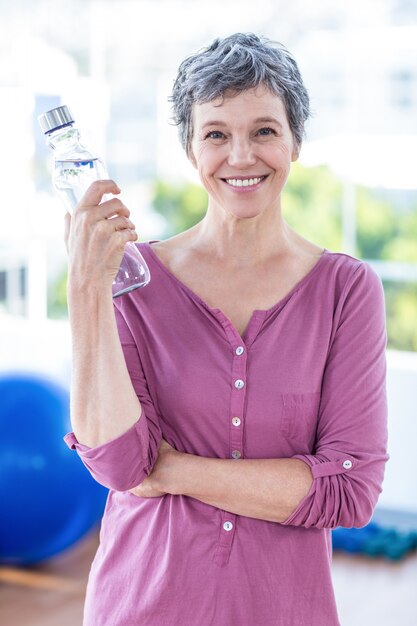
x=208, y=160
x=283, y=158
x=284, y=151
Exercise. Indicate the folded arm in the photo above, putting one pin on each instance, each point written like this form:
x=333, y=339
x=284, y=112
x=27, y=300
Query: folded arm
x=268, y=489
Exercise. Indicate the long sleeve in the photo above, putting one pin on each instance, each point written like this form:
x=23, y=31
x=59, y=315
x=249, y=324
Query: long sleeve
x=351, y=442
x=125, y=462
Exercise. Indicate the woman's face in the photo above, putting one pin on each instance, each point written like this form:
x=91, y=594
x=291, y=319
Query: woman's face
x=242, y=147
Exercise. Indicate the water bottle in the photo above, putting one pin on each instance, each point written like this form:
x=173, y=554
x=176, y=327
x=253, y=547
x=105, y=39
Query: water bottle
x=75, y=168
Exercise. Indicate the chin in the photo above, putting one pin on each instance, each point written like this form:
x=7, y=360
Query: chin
x=244, y=212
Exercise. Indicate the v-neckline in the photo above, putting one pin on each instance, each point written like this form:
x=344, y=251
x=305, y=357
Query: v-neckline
x=256, y=313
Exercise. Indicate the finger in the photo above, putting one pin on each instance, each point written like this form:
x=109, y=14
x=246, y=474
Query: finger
x=164, y=445
x=107, y=209
x=127, y=235
x=97, y=190
x=140, y=490
x=119, y=223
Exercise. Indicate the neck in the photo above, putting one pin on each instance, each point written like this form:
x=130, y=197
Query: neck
x=242, y=242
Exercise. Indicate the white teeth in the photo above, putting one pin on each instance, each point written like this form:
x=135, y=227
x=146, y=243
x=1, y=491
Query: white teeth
x=247, y=182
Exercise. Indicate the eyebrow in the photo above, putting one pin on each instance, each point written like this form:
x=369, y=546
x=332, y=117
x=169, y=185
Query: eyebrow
x=259, y=120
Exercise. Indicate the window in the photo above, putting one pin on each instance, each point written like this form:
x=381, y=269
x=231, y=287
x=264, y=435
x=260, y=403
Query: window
x=402, y=88
x=3, y=286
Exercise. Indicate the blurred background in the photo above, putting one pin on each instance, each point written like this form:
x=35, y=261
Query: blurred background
x=354, y=189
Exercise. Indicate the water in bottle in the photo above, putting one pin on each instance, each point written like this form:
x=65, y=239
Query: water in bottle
x=75, y=168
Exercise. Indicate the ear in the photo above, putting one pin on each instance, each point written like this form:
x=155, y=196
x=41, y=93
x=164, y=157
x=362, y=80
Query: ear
x=295, y=152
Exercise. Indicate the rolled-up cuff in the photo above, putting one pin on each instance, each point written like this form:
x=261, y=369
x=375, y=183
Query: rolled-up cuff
x=344, y=491
x=121, y=463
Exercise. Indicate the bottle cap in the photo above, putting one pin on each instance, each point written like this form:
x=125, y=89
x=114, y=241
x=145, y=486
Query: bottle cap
x=54, y=119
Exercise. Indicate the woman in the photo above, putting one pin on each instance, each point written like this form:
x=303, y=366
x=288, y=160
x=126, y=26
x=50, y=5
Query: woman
x=236, y=408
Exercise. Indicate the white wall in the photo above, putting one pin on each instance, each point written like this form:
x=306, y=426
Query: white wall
x=400, y=485
x=41, y=347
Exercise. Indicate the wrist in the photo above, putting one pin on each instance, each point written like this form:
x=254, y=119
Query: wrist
x=171, y=479
x=184, y=479
x=81, y=288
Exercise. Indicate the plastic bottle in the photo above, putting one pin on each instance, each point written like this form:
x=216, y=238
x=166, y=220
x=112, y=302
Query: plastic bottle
x=75, y=168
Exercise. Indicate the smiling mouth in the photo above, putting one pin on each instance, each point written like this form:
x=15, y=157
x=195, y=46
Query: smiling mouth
x=244, y=182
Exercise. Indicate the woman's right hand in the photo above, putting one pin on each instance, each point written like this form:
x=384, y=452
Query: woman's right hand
x=95, y=237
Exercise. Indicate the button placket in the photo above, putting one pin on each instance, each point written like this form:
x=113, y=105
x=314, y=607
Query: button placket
x=225, y=541
x=235, y=421
x=237, y=402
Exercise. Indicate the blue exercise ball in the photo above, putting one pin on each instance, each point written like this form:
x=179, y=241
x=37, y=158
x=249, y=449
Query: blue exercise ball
x=48, y=499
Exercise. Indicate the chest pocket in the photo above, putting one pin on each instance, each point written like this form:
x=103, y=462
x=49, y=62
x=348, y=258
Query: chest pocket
x=300, y=415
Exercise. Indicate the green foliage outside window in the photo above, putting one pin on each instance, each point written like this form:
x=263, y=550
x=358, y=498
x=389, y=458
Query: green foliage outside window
x=57, y=297
x=181, y=206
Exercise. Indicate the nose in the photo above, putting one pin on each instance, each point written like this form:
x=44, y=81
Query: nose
x=241, y=154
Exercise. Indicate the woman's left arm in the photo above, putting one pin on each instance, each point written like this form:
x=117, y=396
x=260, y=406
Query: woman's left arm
x=268, y=489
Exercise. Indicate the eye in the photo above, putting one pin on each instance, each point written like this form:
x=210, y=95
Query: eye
x=266, y=131
x=214, y=134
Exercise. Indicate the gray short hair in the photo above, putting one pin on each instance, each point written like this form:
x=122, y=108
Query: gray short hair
x=239, y=62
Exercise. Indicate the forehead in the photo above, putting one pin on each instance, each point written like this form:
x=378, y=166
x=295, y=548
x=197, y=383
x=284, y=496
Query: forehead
x=252, y=103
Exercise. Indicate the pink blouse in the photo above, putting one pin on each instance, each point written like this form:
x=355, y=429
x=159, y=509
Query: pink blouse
x=306, y=380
